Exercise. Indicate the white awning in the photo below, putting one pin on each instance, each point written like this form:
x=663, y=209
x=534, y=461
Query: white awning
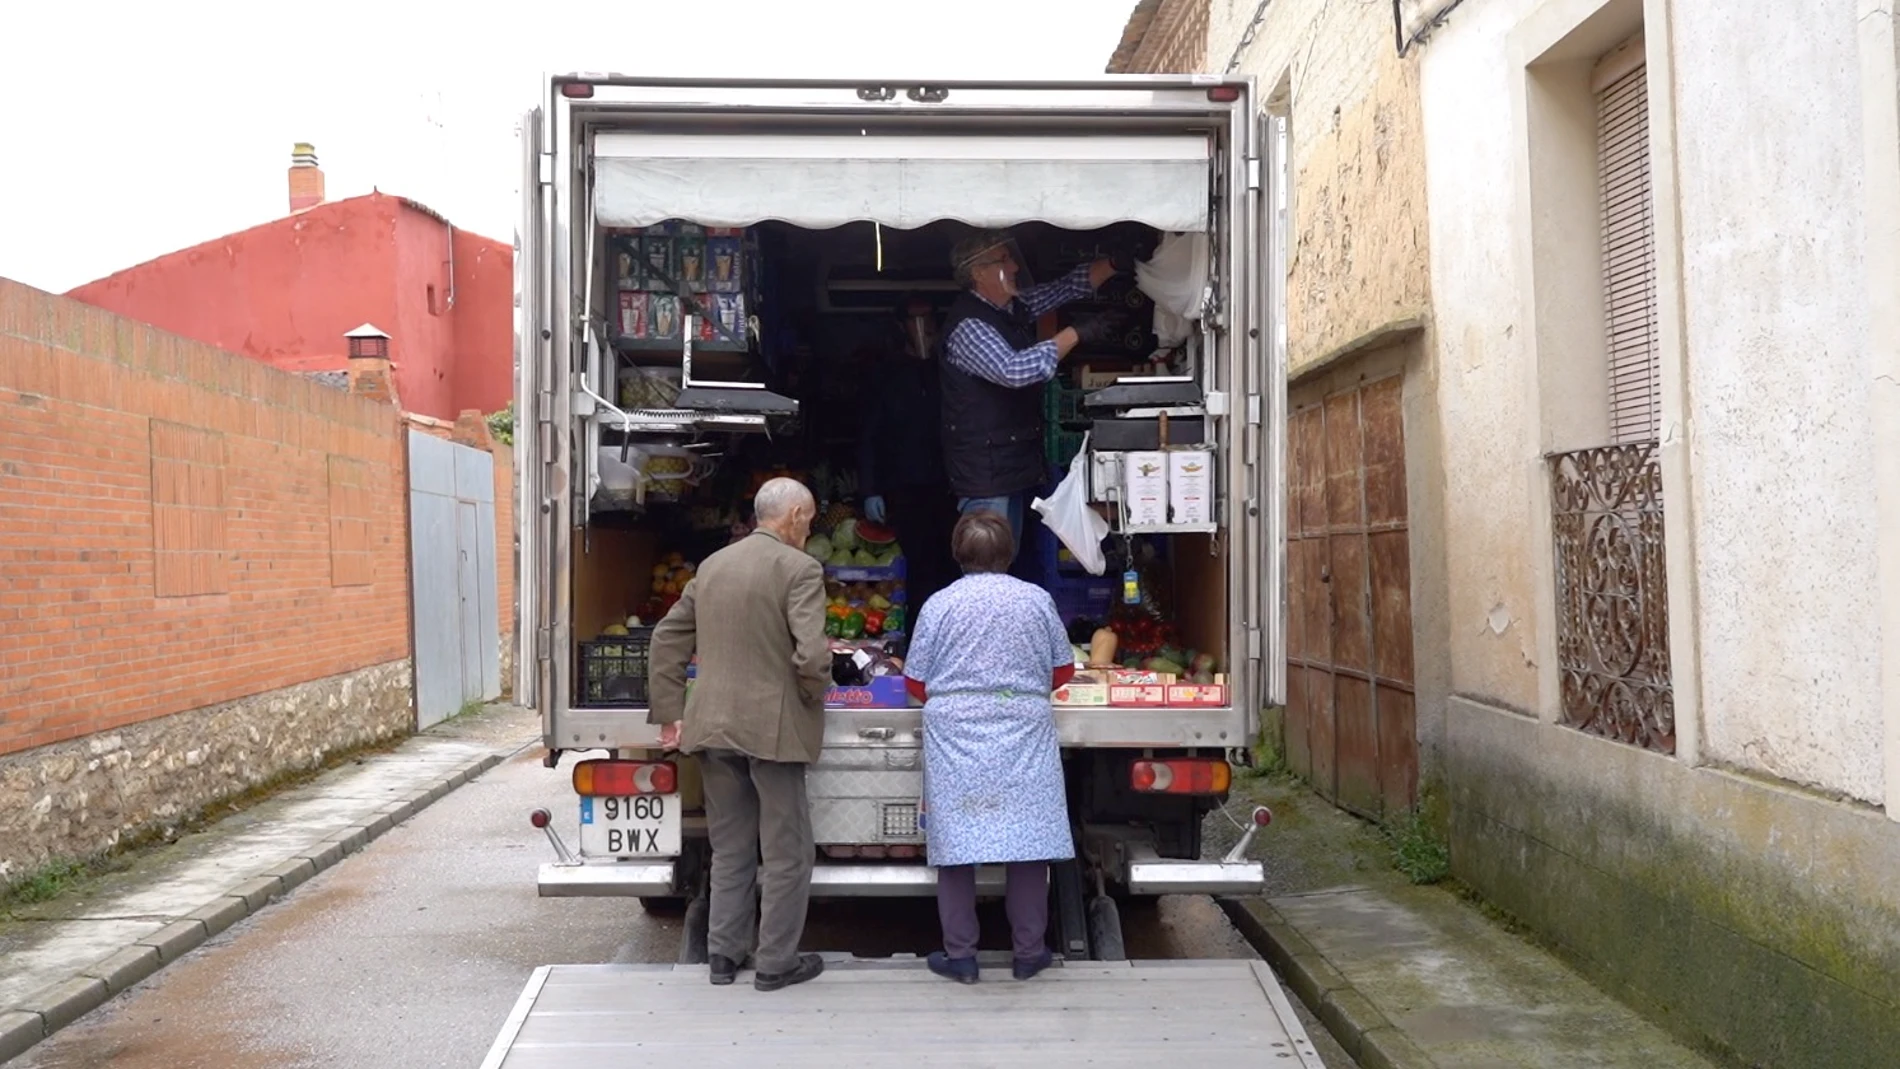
x=822, y=181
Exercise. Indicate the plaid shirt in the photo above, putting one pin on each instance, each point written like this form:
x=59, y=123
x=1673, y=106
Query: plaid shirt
x=975, y=348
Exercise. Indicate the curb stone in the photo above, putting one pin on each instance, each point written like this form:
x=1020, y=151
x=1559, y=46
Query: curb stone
x=57, y=1005
x=1355, y=1023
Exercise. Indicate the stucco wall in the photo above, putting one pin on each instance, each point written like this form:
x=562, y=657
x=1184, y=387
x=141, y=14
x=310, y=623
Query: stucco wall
x=1781, y=511
x=1484, y=358
x=1357, y=256
x=1776, y=311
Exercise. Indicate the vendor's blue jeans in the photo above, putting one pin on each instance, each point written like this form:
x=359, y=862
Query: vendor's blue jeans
x=1011, y=507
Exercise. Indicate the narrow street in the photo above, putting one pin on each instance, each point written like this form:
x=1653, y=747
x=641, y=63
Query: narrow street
x=411, y=953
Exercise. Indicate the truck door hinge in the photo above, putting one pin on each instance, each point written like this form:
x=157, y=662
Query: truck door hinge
x=544, y=169
x=1253, y=643
x=543, y=643
x=1253, y=409
x=1215, y=402
x=1253, y=172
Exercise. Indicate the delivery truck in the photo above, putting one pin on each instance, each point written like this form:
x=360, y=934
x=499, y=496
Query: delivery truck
x=710, y=272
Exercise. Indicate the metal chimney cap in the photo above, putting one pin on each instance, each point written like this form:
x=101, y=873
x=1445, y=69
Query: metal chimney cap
x=367, y=330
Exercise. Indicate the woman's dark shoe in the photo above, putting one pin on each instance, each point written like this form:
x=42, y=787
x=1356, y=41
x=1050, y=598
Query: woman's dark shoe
x=962, y=970
x=724, y=969
x=808, y=967
x=1026, y=968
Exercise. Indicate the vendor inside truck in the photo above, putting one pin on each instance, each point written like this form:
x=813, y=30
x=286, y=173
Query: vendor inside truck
x=994, y=370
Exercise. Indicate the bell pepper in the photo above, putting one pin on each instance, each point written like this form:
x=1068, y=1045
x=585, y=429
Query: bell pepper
x=894, y=619
x=874, y=622
x=834, y=627
x=837, y=611
x=853, y=625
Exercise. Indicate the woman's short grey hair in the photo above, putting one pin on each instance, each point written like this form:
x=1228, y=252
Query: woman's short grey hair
x=778, y=498
x=983, y=542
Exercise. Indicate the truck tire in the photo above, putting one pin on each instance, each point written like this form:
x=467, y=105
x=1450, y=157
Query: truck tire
x=1105, y=930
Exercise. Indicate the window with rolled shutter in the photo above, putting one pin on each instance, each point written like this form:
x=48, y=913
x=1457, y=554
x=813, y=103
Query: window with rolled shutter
x=1629, y=244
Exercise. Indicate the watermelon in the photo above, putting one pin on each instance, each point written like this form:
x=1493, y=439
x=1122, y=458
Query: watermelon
x=875, y=533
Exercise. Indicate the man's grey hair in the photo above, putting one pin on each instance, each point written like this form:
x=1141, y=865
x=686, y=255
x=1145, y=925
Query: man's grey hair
x=778, y=498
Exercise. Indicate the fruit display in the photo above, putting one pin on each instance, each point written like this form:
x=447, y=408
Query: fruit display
x=670, y=577
x=864, y=609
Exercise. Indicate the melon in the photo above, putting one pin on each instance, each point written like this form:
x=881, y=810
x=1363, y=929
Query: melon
x=875, y=533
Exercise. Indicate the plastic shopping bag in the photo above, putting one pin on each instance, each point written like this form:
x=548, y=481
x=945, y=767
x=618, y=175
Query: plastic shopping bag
x=1067, y=513
x=1175, y=278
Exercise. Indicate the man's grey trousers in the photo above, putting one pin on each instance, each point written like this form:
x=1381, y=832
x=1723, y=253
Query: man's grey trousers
x=759, y=823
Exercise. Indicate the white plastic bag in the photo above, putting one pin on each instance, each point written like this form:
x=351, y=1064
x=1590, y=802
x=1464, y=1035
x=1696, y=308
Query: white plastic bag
x=1175, y=278
x=1068, y=514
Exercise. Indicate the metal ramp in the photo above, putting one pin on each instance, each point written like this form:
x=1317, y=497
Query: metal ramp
x=895, y=1013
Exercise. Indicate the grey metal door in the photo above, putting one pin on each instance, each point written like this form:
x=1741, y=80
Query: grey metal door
x=455, y=619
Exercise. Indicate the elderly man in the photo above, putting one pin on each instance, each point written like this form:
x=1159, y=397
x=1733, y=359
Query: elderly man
x=993, y=371
x=755, y=718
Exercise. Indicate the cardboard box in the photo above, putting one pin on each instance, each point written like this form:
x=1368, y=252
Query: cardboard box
x=1142, y=694
x=1131, y=677
x=1202, y=694
x=1190, y=486
x=885, y=692
x=1145, y=488
x=1081, y=694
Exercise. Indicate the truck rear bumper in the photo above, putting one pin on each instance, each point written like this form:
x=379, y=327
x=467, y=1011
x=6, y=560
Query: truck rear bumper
x=656, y=879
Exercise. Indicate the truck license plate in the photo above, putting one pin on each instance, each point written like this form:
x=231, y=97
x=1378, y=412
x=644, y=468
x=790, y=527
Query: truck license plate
x=643, y=825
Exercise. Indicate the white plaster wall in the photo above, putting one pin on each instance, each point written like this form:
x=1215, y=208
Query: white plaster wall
x=1775, y=300
x=1471, y=152
x=1776, y=314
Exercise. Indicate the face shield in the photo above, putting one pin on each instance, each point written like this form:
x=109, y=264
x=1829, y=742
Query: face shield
x=993, y=264
x=920, y=330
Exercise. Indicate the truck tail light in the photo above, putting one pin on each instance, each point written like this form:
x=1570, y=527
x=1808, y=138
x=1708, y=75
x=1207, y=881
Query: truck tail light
x=577, y=90
x=1180, y=777
x=1224, y=94
x=618, y=779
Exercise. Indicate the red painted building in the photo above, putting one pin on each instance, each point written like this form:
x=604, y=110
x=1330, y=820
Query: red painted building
x=284, y=293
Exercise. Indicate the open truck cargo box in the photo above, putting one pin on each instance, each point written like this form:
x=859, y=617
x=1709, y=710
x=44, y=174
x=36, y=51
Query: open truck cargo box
x=895, y=1013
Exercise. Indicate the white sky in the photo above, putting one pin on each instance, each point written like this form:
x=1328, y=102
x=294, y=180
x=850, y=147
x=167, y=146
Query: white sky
x=129, y=129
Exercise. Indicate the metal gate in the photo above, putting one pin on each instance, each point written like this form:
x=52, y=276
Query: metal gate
x=455, y=618
x=1350, y=712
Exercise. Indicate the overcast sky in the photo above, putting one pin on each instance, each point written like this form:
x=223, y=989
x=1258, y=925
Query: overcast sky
x=129, y=129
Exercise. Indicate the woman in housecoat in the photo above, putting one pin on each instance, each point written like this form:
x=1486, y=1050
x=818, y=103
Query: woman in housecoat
x=987, y=651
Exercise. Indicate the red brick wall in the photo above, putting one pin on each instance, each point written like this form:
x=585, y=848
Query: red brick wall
x=236, y=503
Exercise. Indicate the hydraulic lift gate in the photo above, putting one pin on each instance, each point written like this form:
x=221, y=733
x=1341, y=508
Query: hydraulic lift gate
x=895, y=1013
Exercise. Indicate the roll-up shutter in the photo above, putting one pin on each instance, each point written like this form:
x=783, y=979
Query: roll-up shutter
x=1629, y=245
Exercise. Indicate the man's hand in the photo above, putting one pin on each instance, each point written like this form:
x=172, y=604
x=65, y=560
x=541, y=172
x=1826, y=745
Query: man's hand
x=670, y=736
x=1101, y=271
x=1094, y=331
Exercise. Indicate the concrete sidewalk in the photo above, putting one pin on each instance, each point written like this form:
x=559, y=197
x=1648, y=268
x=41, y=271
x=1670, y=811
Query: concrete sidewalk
x=63, y=958
x=1406, y=976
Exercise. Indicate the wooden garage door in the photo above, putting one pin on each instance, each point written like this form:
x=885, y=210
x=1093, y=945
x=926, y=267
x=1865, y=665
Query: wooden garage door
x=1350, y=715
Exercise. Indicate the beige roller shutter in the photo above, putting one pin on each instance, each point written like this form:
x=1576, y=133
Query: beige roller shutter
x=1629, y=244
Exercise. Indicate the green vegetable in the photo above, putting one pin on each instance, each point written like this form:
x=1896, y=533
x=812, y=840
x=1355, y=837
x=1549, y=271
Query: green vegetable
x=863, y=559
x=819, y=547
x=840, y=558
x=834, y=627
x=845, y=535
x=894, y=619
x=853, y=625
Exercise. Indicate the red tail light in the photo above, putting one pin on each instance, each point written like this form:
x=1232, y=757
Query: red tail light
x=1224, y=94
x=609, y=779
x=1180, y=777
x=576, y=90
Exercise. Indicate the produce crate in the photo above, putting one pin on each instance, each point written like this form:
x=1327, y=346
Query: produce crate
x=1062, y=403
x=858, y=573
x=884, y=692
x=613, y=669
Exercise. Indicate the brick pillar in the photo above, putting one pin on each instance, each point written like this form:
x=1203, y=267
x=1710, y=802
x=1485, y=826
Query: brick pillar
x=471, y=429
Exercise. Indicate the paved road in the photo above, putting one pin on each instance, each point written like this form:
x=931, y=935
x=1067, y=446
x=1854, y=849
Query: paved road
x=412, y=953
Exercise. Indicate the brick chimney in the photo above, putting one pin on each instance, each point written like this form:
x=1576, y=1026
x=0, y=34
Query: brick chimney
x=371, y=373
x=306, y=178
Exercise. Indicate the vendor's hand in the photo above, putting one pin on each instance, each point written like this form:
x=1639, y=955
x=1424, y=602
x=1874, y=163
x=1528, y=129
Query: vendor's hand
x=1101, y=271
x=874, y=508
x=1094, y=331
x=670, y=736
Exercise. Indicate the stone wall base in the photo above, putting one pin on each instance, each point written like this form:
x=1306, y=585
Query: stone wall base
x=1749, y=917
x=80, y=798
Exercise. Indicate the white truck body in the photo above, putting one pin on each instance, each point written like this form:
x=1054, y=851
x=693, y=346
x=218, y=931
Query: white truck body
x=591, y=148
